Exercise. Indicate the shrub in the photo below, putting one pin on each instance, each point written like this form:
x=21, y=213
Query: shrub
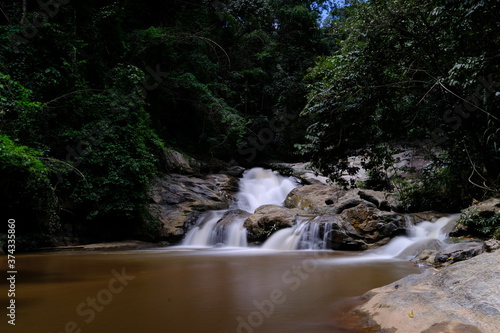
x=481, y=223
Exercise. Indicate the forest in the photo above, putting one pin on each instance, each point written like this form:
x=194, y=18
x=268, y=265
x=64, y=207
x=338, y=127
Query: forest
x=92, y=93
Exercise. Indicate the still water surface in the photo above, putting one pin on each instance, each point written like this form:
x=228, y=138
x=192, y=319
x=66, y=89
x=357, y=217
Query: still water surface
x=179, y=290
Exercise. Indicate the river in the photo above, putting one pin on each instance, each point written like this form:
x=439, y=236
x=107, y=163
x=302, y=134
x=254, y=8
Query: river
x=214, y=283
x=194, y=290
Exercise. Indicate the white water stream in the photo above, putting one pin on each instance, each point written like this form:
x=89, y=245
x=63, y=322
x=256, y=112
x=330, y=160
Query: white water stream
x=257, y=187
x=261, y=187
x=419, y=237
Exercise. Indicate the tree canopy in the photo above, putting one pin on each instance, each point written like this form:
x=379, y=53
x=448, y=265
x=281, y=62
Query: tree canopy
x=92, y=93
x=417, y=73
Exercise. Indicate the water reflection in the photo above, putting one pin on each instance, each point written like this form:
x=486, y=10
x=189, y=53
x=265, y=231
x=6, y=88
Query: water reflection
x=193, y=291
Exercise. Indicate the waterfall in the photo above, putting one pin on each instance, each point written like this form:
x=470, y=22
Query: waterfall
x=235, y=234
x=420, y=236
x=313, y=235
x=257, y=187
x=306, y=234
x=263, y=187
x=202, y=233
x=208, y=233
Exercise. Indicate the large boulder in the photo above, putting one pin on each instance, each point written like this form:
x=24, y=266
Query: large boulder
x=267, y=219
x=178, y=162
x=368, y=217
x=339, y=234
x=463, y=297
x=373, y=226
x=315, y=199
x=178, y=200
x=332, y=199
x=382, y=200
x=488, y=207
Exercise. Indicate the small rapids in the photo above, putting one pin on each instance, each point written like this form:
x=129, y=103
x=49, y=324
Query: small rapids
x=420, y=236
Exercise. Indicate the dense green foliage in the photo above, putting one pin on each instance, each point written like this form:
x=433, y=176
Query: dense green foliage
x=483, y=224
x=92, y=92
x=419, y=74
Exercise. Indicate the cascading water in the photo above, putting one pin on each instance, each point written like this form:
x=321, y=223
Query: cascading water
x=309, y=234
x=419, y=237
x=257, y=187
x=306, y=234
x=263, y=187
x=260, y=187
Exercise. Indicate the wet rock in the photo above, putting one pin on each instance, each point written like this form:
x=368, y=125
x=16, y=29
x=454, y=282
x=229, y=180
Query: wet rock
x=440, y=254
x=178, y=200
x=302, y=171
x=349, y=200
x=234, y=171
x=368, y=219
x=427, y=256
x=340, y=234
x=268, y=219
x=225, y=184
x=463, y=297
x=373, y=226
x=423, y=251
x=456, y=253
x=415, y=218
x=231, y=216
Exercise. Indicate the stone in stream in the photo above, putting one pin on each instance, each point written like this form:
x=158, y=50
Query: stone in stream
x=341, y=235
x=267, y=219
x=368, y=217
x=457, y=252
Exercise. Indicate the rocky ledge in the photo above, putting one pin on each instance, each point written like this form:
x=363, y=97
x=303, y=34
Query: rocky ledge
x=178, y=200
x=359, y=219
x=460, y=298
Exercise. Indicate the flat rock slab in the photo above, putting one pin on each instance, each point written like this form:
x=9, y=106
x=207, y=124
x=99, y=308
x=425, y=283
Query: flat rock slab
x=463, y=297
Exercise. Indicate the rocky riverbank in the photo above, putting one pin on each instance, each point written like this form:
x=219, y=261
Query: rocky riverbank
x=357, y=219
x=460, y=298
x=457, y=293
x=361, y=219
